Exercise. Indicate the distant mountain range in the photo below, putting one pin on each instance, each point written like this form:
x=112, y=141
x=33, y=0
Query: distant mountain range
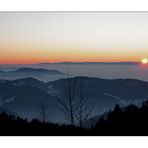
x=33, y=70
x=38, y=70
x=38, y=73
x=127, y=63
x=25, y=96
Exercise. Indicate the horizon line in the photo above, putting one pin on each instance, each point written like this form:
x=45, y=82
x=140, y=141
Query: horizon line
x=71, y=62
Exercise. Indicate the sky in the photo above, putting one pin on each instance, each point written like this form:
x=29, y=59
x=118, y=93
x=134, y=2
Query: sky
x=36, y=37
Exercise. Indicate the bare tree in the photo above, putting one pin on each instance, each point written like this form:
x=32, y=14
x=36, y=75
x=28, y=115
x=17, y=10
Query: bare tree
x=74, y=104
x=84, y=109
x=68, y=105
x=43, y=112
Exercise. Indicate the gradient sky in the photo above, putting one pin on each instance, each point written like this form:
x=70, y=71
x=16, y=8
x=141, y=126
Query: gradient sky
x=62, y=36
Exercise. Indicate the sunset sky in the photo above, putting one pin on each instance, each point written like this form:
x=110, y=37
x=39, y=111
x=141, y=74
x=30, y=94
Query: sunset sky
x=60, y=36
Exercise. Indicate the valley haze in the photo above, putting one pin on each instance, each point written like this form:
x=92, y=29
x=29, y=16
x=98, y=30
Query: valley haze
x=111, y=83
x=107, y=70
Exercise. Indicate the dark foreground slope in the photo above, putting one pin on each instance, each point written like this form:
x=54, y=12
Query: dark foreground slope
x=16, y=126
x=128, y=121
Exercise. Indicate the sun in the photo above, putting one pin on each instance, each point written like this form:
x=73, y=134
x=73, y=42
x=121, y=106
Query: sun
x=144, y=61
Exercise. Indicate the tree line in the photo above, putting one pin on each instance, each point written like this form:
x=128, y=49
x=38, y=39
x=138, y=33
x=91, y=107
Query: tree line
x=131, y=120
x=128, y=121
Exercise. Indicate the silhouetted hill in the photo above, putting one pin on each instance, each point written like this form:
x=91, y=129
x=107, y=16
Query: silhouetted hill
x=8, y=112
x=132, y=121
x=33, y=70
x=38, y=73
x=23, y=96
x=29, y=81
x=15, y=126
x=104, y=93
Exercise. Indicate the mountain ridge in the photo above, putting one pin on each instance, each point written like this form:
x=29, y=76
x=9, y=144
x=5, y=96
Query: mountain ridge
x=126, y=62
x=22, y=95
x=37, y=73
x=29, y=69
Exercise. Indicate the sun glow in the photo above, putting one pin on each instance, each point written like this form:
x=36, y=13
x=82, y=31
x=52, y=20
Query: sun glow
x=144, y=61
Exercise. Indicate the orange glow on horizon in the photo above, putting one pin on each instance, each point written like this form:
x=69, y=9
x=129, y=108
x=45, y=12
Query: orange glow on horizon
x=27, y=55
x=51, y=58
x=35, y=60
